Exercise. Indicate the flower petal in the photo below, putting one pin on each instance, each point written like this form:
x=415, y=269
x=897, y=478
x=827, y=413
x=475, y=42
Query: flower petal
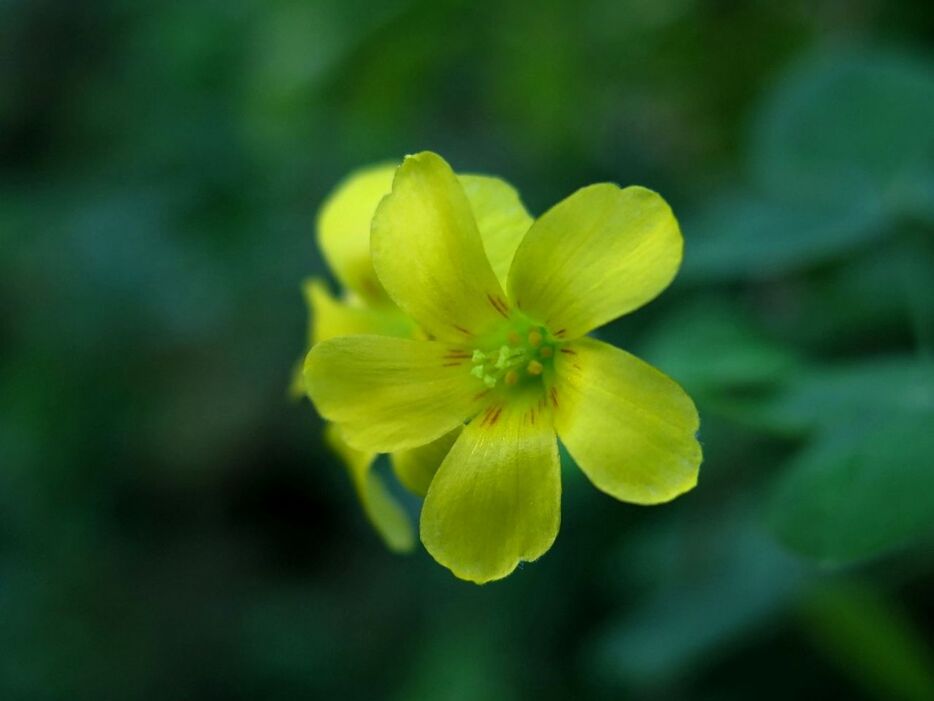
x=416, y=468
x=501, y=219
x=381, y=508
x=390, y=394
x=594, y=256
x=329, y=317
x=629, y=427
x=429, y=255
x=344, y=229
x=496, y=499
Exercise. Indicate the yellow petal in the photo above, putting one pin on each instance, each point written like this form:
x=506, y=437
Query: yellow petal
x=381, y=508
x=594, y=256
x=429, y=255
x=390, y=394
x=629, y=427
x=329, y=318
x=496, y=499
x=344, y=229
x=416, y=468
x=501, y=219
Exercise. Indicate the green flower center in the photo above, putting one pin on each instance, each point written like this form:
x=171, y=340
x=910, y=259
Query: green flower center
x=520, y=355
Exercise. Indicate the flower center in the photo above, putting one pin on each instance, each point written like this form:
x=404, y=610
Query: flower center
x=519, y=356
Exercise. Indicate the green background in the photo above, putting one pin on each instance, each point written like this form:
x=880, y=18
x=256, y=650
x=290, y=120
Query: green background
x=172, y=526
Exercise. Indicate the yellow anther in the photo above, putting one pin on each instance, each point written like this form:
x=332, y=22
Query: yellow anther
x=535, y=339
x=512, y=377
x=535, y=368
x=513, y=338
x=546, y=352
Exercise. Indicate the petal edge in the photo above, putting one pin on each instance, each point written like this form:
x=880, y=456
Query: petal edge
x=630, y=428
x=595, y=256
x=388, y=393
x=496, y=499
x=384, y=513
x=428, y=253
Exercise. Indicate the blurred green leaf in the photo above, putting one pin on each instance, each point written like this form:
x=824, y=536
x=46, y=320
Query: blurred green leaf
x=712, y=347
x=913, y=196
x=850, y=395
x=171, y=528
x=736, y=584
x=841, y=147
x=860, y=490
x=846, y=127
x=872, y=640
x=863, y=299
x=743, y=236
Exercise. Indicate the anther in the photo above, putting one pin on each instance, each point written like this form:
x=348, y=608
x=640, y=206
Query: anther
x=535, y=368
x=478, y=372
x=546, y=352
x=512, y=377
x=535, y=339
x=478, y=356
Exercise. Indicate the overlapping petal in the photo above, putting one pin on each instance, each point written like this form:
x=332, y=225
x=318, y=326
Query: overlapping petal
x=416, y=468
x=428, y=253
x=501, y=219
x=390, y=394
x=594, y=256
x=344, y=229
x=440, y=250
x=629, y=427
x=496, y=499
x=381, y=508
x=330, y=317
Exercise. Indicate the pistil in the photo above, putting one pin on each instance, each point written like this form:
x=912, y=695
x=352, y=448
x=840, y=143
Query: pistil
x=524, y=355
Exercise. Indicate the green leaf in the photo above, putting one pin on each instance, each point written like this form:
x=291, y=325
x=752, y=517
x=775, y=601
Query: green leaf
x=848, y=395
x=913, y=195
x=865, y=298
x=847, y=126
x=742, y=236
x=712, y=347
x=861, y=490
x=733, y=578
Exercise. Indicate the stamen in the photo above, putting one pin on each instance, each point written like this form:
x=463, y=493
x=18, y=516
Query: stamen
x=503, y=360
x=523, y=355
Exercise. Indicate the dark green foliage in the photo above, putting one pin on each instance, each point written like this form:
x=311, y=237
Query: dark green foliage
x=172, y=526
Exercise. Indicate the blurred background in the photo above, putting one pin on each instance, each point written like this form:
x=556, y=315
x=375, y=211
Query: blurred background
x=171, y=524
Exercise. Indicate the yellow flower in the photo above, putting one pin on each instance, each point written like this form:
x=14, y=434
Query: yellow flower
x=343, y=229
x=516, y=365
